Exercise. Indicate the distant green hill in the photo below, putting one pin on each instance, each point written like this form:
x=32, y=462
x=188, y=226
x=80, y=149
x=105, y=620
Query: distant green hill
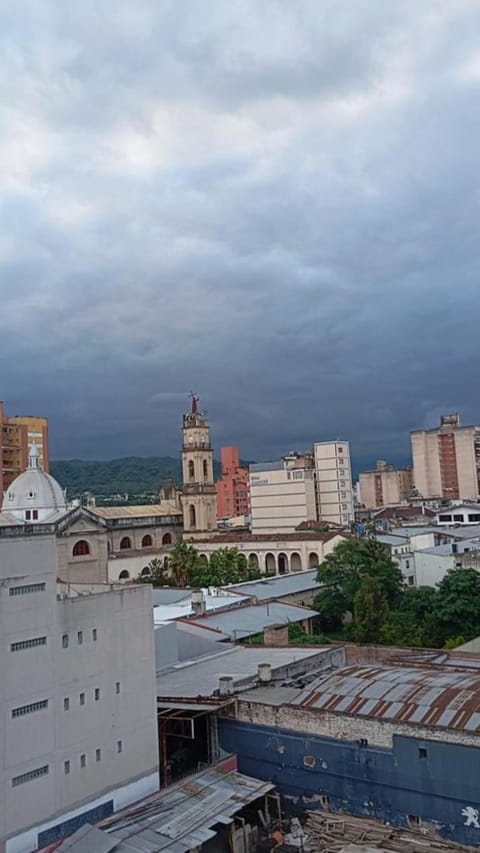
x=133, y=474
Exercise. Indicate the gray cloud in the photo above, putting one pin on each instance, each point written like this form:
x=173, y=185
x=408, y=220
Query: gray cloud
x=274, y=204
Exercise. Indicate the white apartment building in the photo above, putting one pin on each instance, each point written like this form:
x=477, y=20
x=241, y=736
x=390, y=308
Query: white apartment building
x=78, y=731
x=282, y=495
x=333, y=476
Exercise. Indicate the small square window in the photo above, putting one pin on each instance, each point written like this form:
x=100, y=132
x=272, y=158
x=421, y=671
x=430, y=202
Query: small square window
x=66, y=703
x=80, y=637
x=98, y=755
x=119, y=746
x=65, y=641
x=82, y=698
x=66, y=767
x=117, y=687
x=422, y=752
x=97, y=694
x=83, y=760
x=94, y=635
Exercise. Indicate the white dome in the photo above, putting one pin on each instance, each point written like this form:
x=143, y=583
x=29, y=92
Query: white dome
x=34, y=495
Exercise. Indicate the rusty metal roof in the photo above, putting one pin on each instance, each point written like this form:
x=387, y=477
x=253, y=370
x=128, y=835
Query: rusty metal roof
x=428, y=697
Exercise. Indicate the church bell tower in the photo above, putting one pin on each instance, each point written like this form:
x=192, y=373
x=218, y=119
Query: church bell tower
x=199, y=500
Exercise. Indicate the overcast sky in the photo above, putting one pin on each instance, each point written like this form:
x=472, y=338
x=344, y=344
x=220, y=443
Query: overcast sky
x=275, y=204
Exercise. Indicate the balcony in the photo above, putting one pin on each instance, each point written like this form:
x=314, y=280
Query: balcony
x=199, y=489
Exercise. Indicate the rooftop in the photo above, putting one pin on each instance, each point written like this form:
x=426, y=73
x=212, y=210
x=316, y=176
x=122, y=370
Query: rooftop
x=182, y=606
x=176, y=820
x=141, y=511
x=429, y=697
x=404, y=511
x=297, y=536
x=200, y=677
x=278, y=586
x=238, y=623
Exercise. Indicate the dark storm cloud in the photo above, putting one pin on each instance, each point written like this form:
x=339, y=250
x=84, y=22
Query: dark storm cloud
x=275, y=205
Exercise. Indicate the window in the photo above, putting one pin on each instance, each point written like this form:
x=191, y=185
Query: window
x=191, y=470
x=25, y=589
x=343, y=494
x=35, y=514
x=29, y=709
x=80, y=637
x=119, y=746
x=82, y=698
x=66, y=703
x=297, y=475
x=344, y=506
x=444, y=517
x=407, y=564
x=458, y=517
x=342, y=483
x=65, y=641
x=28, y=644
x=167, y=539
x=81, y=548
x=422, y=752
x=28, y=515
x=66, y=767
x=205, y=469
x=341, y=461
x=147, y=541
x=83, y=760
x=145, y=571
x=98, y=755
x=94, y=635
x=28, y=777
x=97, y=694
x=124, y=575
x=411, y=580
x=192, y=516
x=339, y=449
x=125, y=543
x=117, y=687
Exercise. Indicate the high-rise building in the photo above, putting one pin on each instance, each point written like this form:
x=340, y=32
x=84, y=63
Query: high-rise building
x=17, y=434
x=446, y=460
x=282, y=494
x=386, y=486
x=232, y=487
x=333, y=481
x=78, y=696
x=199, y=492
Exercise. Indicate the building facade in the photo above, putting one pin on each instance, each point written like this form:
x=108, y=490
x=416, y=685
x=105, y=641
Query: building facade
x=333, y=481
x=446, y=460
x=232, y=487
x=17, y=434
x=199, y=493
x=386, y=486
x=282, y=494
x=77, y=706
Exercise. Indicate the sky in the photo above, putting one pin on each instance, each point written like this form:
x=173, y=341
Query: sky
x=274, y=204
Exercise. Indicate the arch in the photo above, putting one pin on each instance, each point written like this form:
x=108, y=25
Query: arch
x=192, y=516
x=295, y=562
x=124, y=575
x=147, y=541
x=203, y=559
x=253, y=562
x=270, y=564
x=283, y=567
x=81, y=548
x=312, y=560
x=167, y=539
x=205, y=469
x=145, y=571
x=125, y=543
x=191, y=470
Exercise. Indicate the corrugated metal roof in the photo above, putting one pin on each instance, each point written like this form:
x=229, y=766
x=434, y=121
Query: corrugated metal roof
x=428, y=697
x=240, y=622
x=278, y=586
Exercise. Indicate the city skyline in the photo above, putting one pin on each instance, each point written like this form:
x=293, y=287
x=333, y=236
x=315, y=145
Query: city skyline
x=275, y=205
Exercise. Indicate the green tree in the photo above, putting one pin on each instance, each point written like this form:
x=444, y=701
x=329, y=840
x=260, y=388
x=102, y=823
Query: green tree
x=226, y=566
x=158, y=572
x=370, y=610
x=184, y=562
x=457, y=604
x=342, y=572
x=413, y=622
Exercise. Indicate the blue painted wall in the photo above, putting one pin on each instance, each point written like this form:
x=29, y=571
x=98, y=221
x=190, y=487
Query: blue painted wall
x=435, y=781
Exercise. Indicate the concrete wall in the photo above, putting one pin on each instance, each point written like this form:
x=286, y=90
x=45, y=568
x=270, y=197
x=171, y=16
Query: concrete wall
x=281, y=499
x=84, y=647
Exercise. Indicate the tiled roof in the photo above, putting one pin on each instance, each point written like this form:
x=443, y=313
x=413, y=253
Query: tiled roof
x=297, y=536
x=427, y=697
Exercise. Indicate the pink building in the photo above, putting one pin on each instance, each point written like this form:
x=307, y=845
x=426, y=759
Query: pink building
x=232, y=488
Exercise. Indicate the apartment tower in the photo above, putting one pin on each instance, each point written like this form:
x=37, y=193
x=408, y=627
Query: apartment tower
x=386, y=486
x=333, y=480
x=17, y=434
x=446, y=460
x=232, y=487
